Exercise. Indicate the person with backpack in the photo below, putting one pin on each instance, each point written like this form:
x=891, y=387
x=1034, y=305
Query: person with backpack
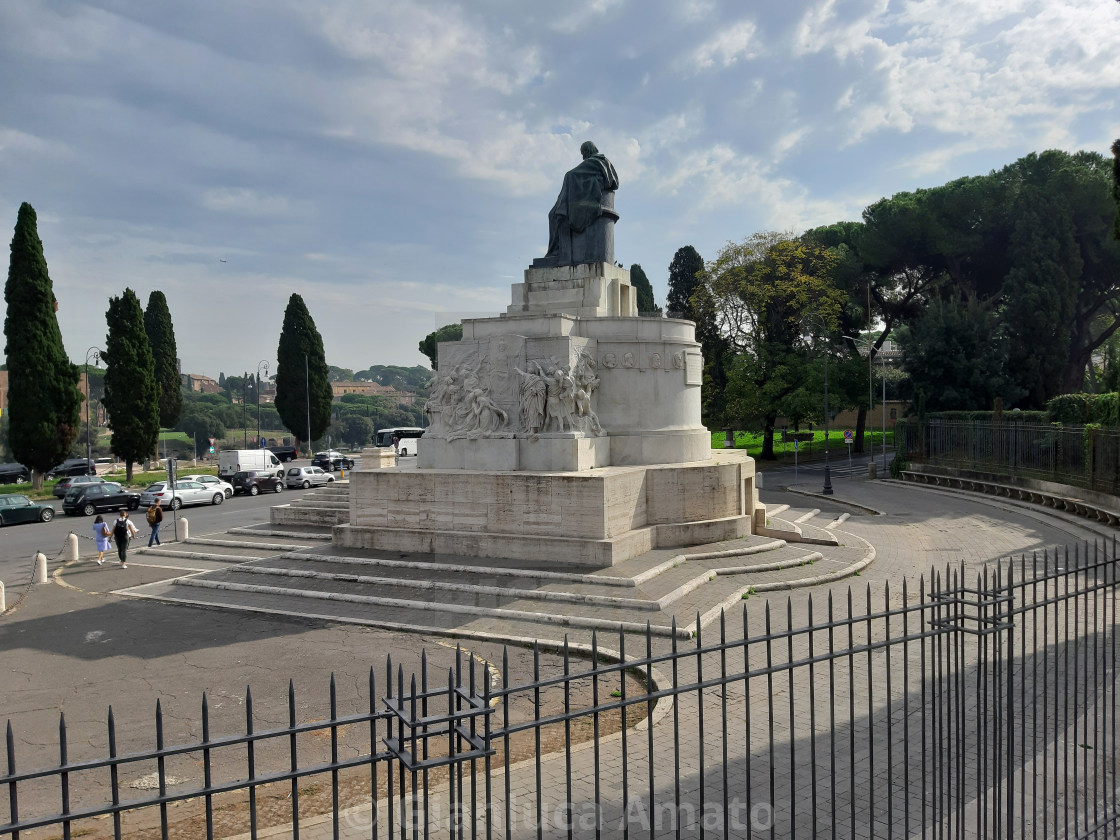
x=154, y=517
x=123, y=532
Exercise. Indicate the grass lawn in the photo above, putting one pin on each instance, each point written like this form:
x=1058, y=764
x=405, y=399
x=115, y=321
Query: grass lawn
x=807, y=450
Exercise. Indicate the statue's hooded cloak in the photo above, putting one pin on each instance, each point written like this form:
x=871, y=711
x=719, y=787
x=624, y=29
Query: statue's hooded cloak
x=580, y=200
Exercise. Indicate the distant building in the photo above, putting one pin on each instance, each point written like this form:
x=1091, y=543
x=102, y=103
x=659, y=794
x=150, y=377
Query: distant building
x=200, y=384
x=372, y=389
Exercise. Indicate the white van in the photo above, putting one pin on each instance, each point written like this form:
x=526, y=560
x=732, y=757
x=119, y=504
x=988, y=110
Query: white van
x=232, y=461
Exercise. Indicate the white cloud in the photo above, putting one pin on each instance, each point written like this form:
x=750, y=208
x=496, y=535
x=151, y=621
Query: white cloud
x=245, y=202
x=732, y=44
x=580, y=15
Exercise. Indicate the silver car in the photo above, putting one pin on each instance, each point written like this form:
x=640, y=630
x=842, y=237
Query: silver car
x=307, y=477
x=185, y=493
x=211, y=481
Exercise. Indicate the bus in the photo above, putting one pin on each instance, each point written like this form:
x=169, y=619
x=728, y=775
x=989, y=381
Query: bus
x=408, y=437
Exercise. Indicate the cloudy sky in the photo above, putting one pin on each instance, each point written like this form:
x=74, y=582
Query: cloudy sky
x=394, y=162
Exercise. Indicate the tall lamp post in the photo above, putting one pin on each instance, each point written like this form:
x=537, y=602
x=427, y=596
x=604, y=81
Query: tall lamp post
x=307, y=398
x=263, y=363
x=866, y=344
x=816, y=319
x=95, y=354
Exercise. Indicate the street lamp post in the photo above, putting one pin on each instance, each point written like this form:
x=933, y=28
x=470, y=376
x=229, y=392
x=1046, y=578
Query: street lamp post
x=244, y=423
x=263, y=363
x=883, y=365
x=95, y=354
x=823, y=324
x=307, y=398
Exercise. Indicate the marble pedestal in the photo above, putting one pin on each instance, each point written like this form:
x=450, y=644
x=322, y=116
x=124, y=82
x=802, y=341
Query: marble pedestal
x=591, y=519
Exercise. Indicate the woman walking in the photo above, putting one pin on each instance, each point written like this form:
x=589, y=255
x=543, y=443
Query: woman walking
x=101, y=533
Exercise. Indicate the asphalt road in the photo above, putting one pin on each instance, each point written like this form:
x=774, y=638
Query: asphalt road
x=19, y=543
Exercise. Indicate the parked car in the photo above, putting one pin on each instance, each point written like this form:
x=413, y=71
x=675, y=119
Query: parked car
x=88, y=499
x=252, y=482
x=14, y=474
x=73, y=466
x=183, y=493
x=67, y=483
x=15, y=508
x=306, y=477
x=332, y=461
x=284, y=453
x=211, y=481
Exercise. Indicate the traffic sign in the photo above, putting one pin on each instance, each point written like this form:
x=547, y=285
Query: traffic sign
x=848, y=436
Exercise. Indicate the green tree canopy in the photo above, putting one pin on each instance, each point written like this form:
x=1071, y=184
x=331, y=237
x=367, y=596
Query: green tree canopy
x=161, y=337
x=759, y=292
x=644, y=290
x=355, y=429
x=131, y=391
x=956, y=356
x=43, y=397
x=429, y=346
x=303, y=389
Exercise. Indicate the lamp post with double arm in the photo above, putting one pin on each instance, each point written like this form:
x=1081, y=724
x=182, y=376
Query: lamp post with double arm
x=815, y=320
x=263, y=363
x=865, y=346
x=95, y=354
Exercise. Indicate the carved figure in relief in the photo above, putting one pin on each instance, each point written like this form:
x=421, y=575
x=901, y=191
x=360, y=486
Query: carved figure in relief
x=533, y=394
x=460, y=404
x=586, y=383
x=554, y=408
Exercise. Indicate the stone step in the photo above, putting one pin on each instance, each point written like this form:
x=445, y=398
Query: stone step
x=798, y=525
x=512, y=603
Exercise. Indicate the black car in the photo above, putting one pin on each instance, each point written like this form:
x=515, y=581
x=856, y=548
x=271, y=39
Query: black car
x=332, y=461
x=73, y=466
x=14, y=474
x=88, y=499
x=68, y=483
x=251, y=482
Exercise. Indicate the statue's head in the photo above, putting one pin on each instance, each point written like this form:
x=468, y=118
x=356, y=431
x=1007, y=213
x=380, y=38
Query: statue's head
x=588, y=149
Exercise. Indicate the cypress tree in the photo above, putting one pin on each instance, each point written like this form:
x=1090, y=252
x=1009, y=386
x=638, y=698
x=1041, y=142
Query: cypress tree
x=683, y=270
x=43, y=394
x=161, y=336
x=131, y=392
x=300, y=350
x=646, y=303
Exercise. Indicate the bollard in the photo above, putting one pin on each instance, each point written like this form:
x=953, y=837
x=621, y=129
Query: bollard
x=182, y=530
x=3, y=604
x=40, y=575
x=758, y=480
x=70, y=550
x=341, y=474
x=872, y=470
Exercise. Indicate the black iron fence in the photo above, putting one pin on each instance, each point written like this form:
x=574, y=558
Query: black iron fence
x=967, y=705
x=1081, y=456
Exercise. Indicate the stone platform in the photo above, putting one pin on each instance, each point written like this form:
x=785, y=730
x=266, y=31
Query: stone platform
x=592, y=518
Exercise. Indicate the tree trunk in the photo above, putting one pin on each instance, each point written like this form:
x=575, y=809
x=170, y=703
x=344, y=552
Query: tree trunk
x=767, y=453
x=37, y=479
x=861, y=426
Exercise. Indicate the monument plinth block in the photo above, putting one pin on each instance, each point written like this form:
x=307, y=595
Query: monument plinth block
x=591, y=518
x=587, y=290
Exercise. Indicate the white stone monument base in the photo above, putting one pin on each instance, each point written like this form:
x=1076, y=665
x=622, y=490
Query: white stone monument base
x=562, y=451
x=592, y=519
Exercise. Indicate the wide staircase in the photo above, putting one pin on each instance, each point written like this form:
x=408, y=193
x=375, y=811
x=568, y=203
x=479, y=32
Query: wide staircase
x=289, y=567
